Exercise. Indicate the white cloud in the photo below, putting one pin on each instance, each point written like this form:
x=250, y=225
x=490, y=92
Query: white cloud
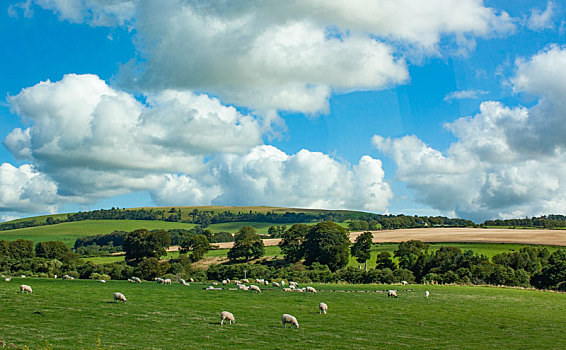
x=267, y=175
x=97, y=141
x=540, y=20
x=507, y=162
x=26, y=190
x=271, y=55
x=464, y=94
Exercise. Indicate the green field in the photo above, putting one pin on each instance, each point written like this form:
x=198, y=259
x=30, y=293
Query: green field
x=68, y=232
x=80, y=313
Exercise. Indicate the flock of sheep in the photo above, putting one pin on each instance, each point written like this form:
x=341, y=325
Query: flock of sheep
x=225, y=315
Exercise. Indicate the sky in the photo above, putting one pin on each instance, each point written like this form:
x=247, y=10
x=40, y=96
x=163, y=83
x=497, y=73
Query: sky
x=409, y=107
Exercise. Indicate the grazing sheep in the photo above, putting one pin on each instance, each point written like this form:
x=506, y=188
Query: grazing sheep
x=236, y=282
x=214, y=283
x=23, y=276
x=245, y=280
x=286, y=318
x=167, y=281
x=426, y=294
x=310, y=290
x=101, y=281
x=300, y=290
x=287, y=290
x=282, y=283
x=322, y=308
x=131, y=280
x=55, y=276
x=392, y=293
x=404, y=283
x=25, y=288
x=275, y=284
x=159, y=280
x=224, y=282
x=7, y=279
x=119, y=297
x=67, y=277
x=266, y=282
x=191, y=280
x=243, y=287
x=225, y=315
x=136, y=279
x=254, y=288
x=182, y=281
x=294, y=284
x=257, y=280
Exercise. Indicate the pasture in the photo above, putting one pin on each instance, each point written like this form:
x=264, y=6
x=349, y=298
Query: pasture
x=81, y=314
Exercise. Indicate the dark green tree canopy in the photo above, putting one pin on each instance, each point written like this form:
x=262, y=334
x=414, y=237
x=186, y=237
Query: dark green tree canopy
x=141, y=244
x=52, y=250
x=327, y=243
x=198, y=245
x=247, y=245
x=292, y=241
x=361, y=248
x=384, y=261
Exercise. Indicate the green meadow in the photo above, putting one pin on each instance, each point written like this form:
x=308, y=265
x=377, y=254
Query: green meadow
x=80, y=314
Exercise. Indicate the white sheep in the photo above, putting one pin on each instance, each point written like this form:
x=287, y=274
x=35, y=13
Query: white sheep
x=224, y=282
x=310, y=290
x=322, y=308
x=186, y=284
x=101, y=281
x=282, y=283
x=167, y=281
x=404, y=283
x=182, y=281
x=254, y=288
x=236, y=282
x=136, y=279
x=426, y=294
x=7, y=279
x=245, y=280
x=243, y=287
x=294, y=284
x=25, y=288
x=266, y=282
x=119, y=297
x=392, y=293
x=214, y=283
x=225, y=315
x=131, y=280
x=275, y=284
x=287, y=290
x=191, y=280
x=286, y=318
x=159, y=280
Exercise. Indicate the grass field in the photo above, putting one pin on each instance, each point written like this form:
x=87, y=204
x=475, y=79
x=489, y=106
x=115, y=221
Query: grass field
x=488, y=249
x=78, y=314
x=68, y=232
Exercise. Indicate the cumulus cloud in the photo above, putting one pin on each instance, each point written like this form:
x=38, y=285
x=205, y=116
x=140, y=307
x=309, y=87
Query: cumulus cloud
x=26, y=190
x=464, y=94
x=95, y=140
x=268, y=175
x=540, y=20
x=507, y=162
x=292, y=55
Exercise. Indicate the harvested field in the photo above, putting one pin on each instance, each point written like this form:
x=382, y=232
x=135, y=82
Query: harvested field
x=449, y=235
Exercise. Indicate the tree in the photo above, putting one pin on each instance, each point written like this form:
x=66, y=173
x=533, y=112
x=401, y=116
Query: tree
x=141, y=244
x=247, y=245
x=21, y=249
x=197, y=244
x=291, y=242
x=150, y=268
x=361, y=248
x=413, y=256
x=51, y=250
x=327, y=243
x=384, y=261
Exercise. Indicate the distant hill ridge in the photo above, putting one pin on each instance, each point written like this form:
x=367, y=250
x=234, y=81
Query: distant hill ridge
x=206, y=215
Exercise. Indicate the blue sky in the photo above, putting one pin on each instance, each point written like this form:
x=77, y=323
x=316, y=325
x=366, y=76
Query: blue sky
x=439, y=108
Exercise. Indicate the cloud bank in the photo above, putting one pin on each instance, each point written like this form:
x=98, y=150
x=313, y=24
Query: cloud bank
x=508, y=161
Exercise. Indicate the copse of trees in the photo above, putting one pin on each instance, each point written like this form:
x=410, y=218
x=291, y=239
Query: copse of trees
x=141, y=244
x=247, y=245
x=327, y=243
x=197, y=245
x=52, y=250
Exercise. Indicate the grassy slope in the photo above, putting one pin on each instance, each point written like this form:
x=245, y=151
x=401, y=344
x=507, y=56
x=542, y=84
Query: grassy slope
x=162, y=317
x=68, y=232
